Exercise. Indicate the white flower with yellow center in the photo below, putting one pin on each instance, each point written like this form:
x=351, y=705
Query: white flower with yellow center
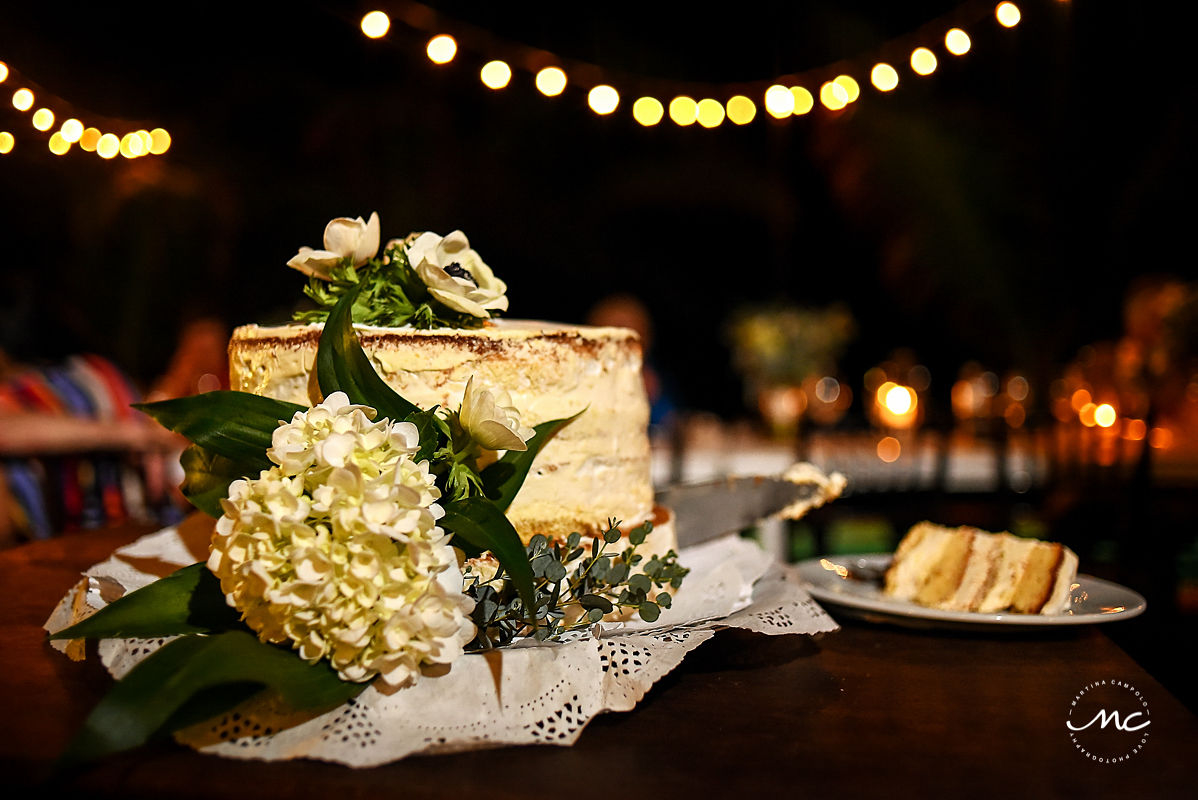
x=490, y=419
x=454, y=274
x=355, y=239
x=336, y=549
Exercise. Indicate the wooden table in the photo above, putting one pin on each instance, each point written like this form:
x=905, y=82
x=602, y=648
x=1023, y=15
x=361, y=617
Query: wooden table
x=867, y=711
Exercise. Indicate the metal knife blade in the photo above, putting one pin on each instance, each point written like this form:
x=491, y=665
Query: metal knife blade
x=709, y=509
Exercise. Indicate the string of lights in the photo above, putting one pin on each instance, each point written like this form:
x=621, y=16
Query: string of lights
x=781, y=98
x=71, y=133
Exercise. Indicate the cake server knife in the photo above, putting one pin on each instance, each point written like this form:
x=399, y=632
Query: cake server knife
x=709, y=509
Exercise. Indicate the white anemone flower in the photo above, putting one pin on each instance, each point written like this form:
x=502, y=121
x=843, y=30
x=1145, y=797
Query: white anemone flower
x=491, y=420
x=455, y=275
x=355, y=239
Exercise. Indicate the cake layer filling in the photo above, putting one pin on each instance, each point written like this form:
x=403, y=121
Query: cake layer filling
x=966, y=569
x=594, y=469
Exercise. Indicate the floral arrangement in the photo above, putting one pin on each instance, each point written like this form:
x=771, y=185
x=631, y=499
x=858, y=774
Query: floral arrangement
x=361, y=538
x=783, y=345
x=423, y=280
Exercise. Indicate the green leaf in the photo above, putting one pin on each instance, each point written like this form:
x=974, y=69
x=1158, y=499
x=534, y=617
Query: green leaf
x=206, y=477
x=482, y=524
x=199, y=677
x=589, y=601
x=189, y=600
x=649, y=611
x=342, y=365
x=504, y=478
x=236, y=425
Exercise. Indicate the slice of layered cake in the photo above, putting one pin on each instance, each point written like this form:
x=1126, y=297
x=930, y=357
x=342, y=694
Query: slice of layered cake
x=967, y=569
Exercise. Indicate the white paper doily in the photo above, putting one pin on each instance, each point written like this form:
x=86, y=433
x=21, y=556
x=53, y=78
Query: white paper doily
x=530, y=693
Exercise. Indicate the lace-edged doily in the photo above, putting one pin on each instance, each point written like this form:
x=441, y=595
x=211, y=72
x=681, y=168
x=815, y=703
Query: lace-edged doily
x=530, y=693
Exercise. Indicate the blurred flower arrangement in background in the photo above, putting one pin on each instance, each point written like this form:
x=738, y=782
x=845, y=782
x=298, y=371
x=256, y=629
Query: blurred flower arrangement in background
x=788, y=357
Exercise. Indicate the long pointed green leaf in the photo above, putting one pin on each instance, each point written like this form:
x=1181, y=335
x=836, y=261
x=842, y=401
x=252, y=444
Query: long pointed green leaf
x=189, y=600
x=342, y=365
x=237, y=425
x=162, y=691
x=503, y=479
x=479, y=522
x=206, y=477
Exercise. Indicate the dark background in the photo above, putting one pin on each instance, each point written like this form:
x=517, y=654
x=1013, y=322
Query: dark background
x=997, y=211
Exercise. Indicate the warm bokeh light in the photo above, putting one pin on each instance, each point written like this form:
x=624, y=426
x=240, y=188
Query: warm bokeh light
x=804, y=100
x=884, y=77
x=57, y=144
x=779, y=102
x=1015, y=415
x=1104, y=415
x=108, y=146
x=146, y=141
x=71, y=130
x=376, y=24
x=22, y=99
x=889, y=449
x=741, y=110
x=6, y=142
x=3, y=72
x=684, y=110
x=1134, y=429
x=495, y=74
x=603, y=99
x=1160, y=438
x=852, y=90
x=709, y=112
x=827, y=390
x=160, y=141
x=648, y=111
x=89, y=139
x=1080, y=399
x=1018, y=388
x=957, y=42
x=897, y=399
x=551, y=81
x=1086, y=415
x=441, y=49
x=1007, y=14
x=833, y=96
x=43, y=119
x=132, y=146
x=923, y=61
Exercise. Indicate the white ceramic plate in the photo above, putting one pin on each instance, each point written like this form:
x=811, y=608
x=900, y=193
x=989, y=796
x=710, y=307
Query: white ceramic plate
x=1094, y=600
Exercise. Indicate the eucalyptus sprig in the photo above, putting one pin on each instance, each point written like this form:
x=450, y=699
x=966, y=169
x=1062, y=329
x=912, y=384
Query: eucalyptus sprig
x=389, y=293
x=575, y=586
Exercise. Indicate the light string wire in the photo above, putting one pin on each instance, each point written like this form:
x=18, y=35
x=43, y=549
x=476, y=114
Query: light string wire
x=832, y=87
x=55, y=119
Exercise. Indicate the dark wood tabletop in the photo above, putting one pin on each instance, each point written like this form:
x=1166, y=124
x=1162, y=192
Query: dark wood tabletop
x=867, y=711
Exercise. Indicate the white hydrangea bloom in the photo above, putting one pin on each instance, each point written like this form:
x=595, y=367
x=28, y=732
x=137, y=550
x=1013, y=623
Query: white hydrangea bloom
x=337, y=550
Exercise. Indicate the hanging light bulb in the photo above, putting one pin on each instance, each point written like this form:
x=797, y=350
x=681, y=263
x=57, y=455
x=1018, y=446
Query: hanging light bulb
x=648, y=111
x=441, y=49
x=884, y=77
x=375, y=24
x=741, y=110
x=495, y=74
x=804, y=100
x=1007, y=14
x=779, y=102
x=957, y=42
x=551, y=81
